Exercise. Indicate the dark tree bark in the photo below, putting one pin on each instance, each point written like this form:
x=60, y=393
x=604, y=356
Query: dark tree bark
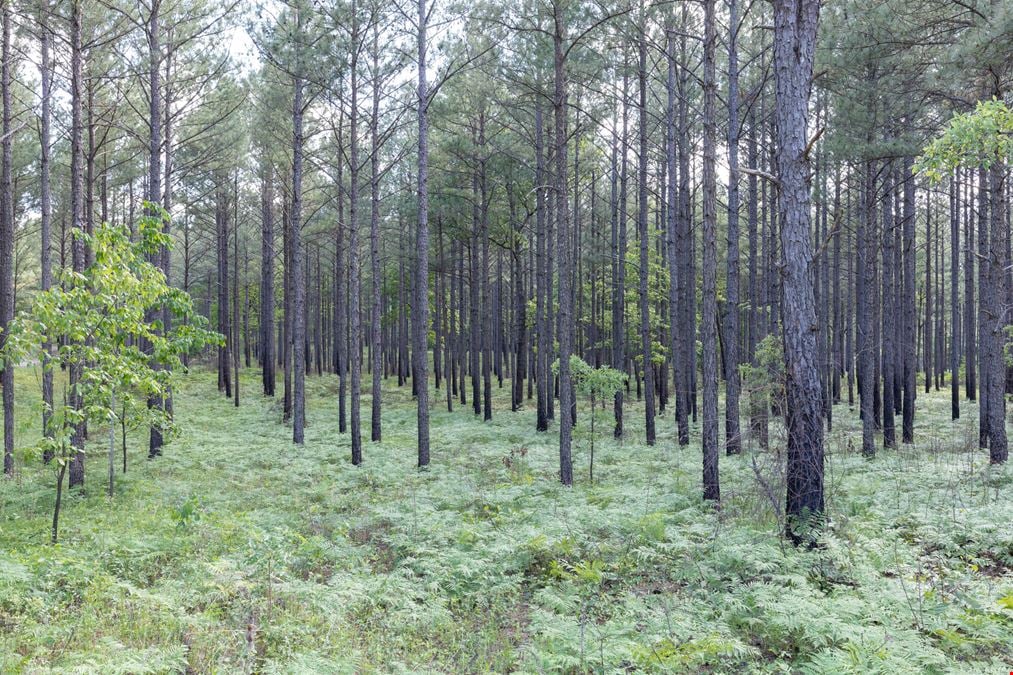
x=909, y=302
x=865, y=278
x=970, y=325
x=733, y=445
x=642, y=206
x=354, y=281
x=984, y=300
x=757, y=401
x=341, y=281
x=485, y=341
x=954, y=306
x=420, y=311
x=222, y=248
x=76, y=471
x=520, y=306
x=45, y=206
x=795, y=24
x=154, y=195
x=475, y=292
x=619, y=263
x=995, y=314
x=562, y=211
x=297, y=274
x=888, y=317
x=685, y=372
x=541, y=279
x=927, y=353
x=375, y=352
x=708, y=316
x=235, y=289
x=7, y=236
x=267, y=345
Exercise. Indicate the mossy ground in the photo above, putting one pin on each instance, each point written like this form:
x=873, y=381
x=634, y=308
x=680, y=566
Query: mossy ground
x=239, y=552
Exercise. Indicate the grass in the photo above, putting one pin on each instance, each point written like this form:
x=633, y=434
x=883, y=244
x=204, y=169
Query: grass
x=239, y=552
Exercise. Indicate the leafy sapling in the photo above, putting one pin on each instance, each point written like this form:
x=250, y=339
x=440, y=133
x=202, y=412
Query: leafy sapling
x=100, y=320
x=596, y=384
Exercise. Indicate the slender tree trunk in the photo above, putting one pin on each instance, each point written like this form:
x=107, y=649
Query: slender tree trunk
x=562, y=231
x=297, y=275
x=354, y=281
x=154, y=196
x=642, y=206
x=376, y=353
x=685, y=389
x=7, y=236
x=267, y=345
x=485, y=338
x=619, y=263
x=984, y=330
x=927, y=352
x=76, y=471
x=541, y=279
x=865, y=278
x=909, y=302
x=733, y=445
x=970, y=325
x=954, y=307
x=708, y=317
x=46, y=209
x=889, y=437
x=420, y=312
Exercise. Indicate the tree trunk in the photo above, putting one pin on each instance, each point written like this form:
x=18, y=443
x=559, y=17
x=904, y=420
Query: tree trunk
x=954, y=307
x=7, y=237
x=562, y=212
x=733, y=445
x=354, y=281
x=267, y=345
x=376, y=353
x=888, y=317
x=795, y=24
x=708, y=316
x=865, y=279
x=46, y=208
x=995, y=315
x=420, y=311
x=619, y=263
x=76, y=471
x=642, y=206
x=297, y=273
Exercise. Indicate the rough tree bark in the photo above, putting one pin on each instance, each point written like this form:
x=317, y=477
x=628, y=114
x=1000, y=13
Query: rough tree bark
x=267, y=346
x=420, y=311
x=795, y=24
x=642, y=206
x=733, y=445
x=296, y=272
x=76, y=472
x=709, y=296
x=7, y=237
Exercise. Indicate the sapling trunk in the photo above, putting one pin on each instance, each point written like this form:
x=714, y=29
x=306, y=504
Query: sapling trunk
x=123, y=432
x=591, y=465
x=59, y=494
x=112, y=444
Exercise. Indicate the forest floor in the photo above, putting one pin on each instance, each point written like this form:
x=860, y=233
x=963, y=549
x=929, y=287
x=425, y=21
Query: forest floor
x=238, y=552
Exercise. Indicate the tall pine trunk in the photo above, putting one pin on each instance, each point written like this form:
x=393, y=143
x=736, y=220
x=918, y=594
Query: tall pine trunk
x=795, y=24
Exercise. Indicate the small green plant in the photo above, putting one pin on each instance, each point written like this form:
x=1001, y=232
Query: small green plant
x=596, y=384
x=186, y=513
x=119, y=354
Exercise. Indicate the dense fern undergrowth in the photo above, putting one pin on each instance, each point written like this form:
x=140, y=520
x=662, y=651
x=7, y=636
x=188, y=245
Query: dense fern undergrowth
x=237, y=552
